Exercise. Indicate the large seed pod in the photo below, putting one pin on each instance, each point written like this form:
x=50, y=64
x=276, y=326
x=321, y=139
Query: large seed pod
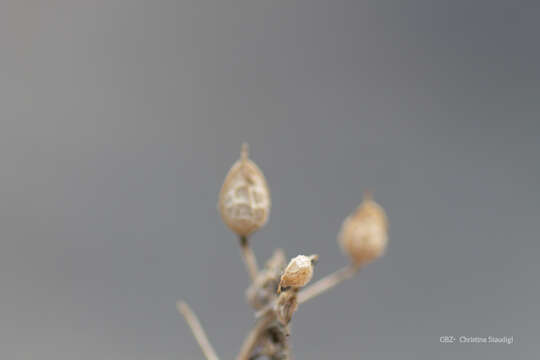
x=364, y=233
x=244, y=199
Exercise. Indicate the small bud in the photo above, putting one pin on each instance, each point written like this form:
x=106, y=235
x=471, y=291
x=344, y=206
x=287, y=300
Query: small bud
x=244, y=199
x=364, y=233
x=298, y=273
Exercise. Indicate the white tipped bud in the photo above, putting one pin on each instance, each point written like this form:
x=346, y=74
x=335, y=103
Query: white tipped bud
x=244, y=199
x=364, y=233
x=298, y=273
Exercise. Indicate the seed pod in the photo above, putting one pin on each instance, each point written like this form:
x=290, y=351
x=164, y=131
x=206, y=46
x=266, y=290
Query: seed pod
x=364, y=233
x=298, y=273
x=244, y=199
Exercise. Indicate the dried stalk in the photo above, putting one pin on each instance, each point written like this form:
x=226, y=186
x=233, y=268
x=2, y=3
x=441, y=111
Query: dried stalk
x=263, y=290
x=198, y=331
x=275, y=292
x=255, y=336
x=326, y=283
x=249, y=258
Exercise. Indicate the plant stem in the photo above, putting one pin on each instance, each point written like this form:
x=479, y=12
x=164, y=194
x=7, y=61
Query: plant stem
x=326, y=283
x=198, y=331
x=249, y=258
x=254, y=336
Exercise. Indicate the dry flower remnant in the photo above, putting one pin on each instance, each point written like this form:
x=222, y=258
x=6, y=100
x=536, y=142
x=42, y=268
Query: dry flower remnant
x=298, y=273
x=244, y=204
x=276, y=291
x=364, y=233
x=244, y=199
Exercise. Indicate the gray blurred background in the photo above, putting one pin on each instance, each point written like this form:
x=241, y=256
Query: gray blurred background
x=119, y=120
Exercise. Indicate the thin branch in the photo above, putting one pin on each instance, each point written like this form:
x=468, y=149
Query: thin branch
x=326, y=283
x=249, y=258
x=197, y=330
x=254, y=336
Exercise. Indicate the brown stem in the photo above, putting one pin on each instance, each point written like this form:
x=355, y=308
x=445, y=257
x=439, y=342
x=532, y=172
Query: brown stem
x=254, y=336
x=198, y=331
x=249, y=258
x=326, y=283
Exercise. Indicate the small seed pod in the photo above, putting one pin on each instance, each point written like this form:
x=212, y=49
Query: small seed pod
x=364, y=233
x=298, y=273
x=244, y=199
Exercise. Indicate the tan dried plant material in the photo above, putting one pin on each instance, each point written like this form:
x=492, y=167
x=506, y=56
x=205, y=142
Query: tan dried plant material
x=298, y=273
x=364, y=233
x=276, y=291
x=244, y=199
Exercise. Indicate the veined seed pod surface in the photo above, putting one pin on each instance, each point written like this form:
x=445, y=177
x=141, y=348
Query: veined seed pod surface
x=244, y=199
x=364, y=233
x=298, y=273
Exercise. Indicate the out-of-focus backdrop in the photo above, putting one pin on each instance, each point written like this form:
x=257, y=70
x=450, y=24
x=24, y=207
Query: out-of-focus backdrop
x=119, y=120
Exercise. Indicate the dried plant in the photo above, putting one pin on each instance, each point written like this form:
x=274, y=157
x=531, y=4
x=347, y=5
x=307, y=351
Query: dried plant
x=277, y=290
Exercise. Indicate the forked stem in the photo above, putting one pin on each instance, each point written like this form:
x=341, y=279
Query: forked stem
x=198, y=331
x=326, y=283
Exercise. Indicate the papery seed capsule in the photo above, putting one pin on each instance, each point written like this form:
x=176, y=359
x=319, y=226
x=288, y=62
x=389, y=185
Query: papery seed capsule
x=298, y=273
x=244, y=199
x=364, y=233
